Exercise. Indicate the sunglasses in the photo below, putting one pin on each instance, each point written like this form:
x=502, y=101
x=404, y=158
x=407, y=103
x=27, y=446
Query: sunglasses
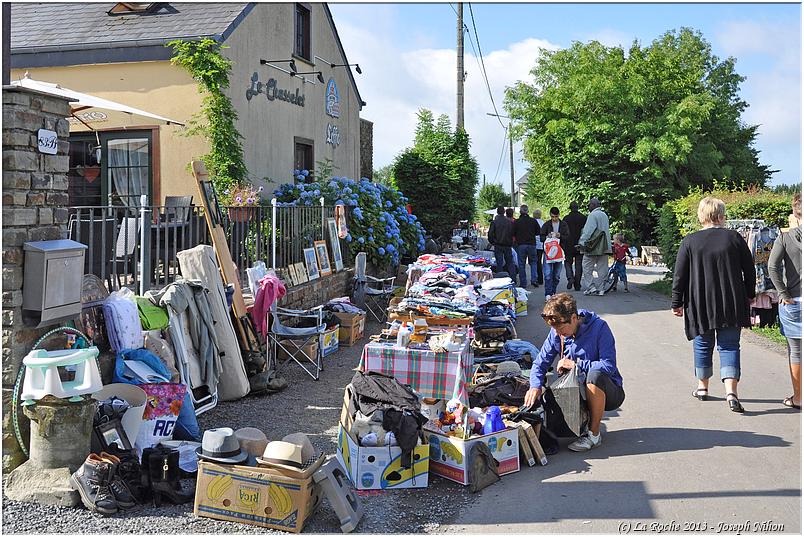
x=554, y=319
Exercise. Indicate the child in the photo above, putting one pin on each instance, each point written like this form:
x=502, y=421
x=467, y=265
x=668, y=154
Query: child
x=620, y=248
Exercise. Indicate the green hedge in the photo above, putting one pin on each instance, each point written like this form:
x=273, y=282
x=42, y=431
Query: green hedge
x=678, y=218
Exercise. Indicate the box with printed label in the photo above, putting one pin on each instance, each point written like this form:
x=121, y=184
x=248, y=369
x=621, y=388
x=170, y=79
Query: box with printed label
x=352, y=326
x=329, y=341
x=499, y=295
x=449, y=454
x=256, y=496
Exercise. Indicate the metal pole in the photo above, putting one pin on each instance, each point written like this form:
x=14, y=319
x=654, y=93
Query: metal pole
x=143, y=211
x=273, y=233
x=6, y=43
x=459, y=117
x=323, y=237
x=511, y=153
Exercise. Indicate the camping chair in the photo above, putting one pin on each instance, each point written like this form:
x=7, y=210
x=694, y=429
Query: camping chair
x=124, y=250
x=370, y=293
x=292, y=340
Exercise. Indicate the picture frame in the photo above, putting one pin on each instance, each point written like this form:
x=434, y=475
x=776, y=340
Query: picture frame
x=301, y=273
x=311, y=263
x=335, y=244
x=324, y=266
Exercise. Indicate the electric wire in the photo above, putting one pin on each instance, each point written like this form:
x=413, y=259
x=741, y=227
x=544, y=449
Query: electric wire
x=502, y=152
x=483, y=65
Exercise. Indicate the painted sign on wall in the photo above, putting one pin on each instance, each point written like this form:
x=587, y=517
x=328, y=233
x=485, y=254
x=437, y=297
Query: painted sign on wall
x=47, y=141
x=272, y=91
x=332, y=100
x=333, y=135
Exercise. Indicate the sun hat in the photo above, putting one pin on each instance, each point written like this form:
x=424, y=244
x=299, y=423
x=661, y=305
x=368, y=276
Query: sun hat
x=308, y=450
x=252, y=440
x=293, y=452
x=221, y=445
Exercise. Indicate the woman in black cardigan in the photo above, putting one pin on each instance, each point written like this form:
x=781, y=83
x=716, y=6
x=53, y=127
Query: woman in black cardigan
x=713, y=284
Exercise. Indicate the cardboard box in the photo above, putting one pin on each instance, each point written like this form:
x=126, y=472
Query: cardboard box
x=433, y=408
x=500, y=295
x=532, y=434
x=371, y=468
x=281, y=354
x=329, y=341
x=352, y=326
x=450, y=455
x=524, y=446
x=256, y=496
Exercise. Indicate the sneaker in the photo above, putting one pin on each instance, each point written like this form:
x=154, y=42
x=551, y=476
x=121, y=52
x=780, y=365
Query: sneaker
x=547, y=297
x=586, y=442
x=600, y=293
x=626, y=290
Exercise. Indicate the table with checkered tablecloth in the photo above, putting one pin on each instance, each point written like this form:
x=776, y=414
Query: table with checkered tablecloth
x=440, y=375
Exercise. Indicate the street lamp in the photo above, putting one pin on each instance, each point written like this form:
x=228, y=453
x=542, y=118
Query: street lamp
x=290, y=62
x=511, y=154
x=319, y=75
x=357, y=66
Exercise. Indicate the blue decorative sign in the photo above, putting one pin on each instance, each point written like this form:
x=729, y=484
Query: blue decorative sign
x=332, y=103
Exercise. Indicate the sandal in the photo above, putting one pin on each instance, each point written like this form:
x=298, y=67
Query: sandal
x=788, y=402
x=701, y=394
x=734, y=404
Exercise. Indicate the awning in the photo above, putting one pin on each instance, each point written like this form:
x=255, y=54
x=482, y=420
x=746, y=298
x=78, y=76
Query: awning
x=88, y=108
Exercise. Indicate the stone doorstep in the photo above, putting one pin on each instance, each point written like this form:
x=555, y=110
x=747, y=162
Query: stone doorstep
x=30, y=483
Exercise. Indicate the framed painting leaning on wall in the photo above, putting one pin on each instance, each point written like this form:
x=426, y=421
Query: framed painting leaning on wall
x=312, y=264
x=323, y=258
x=335, y=244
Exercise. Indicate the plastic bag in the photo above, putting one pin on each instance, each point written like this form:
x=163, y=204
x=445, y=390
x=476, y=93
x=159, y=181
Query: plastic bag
x=162, y=407
x=565, y=408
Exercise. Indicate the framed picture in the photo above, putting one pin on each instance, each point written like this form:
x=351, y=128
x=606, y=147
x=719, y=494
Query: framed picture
x=335, y=244
x=301, y=273
x=323, y=257
x=312, y=264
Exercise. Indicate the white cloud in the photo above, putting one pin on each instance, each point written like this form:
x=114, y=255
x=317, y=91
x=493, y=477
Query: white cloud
x=612, y=38
x=396, y=83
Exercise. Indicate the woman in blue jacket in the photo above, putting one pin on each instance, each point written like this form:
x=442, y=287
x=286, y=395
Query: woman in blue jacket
x=588, y=344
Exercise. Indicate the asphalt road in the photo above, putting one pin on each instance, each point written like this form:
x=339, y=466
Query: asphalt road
x=667, y=460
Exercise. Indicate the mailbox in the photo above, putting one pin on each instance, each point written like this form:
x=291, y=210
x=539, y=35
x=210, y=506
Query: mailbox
x=51, y=289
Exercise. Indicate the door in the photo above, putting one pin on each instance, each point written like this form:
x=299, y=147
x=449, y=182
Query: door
x=127, y=166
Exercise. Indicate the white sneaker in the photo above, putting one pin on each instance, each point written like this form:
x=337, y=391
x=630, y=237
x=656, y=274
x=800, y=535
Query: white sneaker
x=586, y=442
x=547, y=297
x=601, y=293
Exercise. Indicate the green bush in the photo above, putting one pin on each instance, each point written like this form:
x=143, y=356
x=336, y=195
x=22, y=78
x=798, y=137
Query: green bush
x=678, y=218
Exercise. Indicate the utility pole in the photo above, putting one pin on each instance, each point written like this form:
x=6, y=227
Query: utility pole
x=459, y=116
x=6, y=43
x=510, y=153
x=484, y=179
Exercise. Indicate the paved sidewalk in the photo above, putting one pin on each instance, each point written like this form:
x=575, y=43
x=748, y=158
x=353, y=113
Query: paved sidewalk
x=666, y=457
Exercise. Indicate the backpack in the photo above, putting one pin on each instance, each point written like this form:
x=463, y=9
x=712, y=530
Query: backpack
x=482, y=467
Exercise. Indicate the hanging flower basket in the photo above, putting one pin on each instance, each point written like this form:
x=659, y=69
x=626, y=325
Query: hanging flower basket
x=241, y=214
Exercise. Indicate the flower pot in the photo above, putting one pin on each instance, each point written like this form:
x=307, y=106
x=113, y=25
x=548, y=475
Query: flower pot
x=241, y=214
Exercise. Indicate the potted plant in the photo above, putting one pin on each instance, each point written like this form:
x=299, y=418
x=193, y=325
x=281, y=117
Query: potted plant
x=245, y=199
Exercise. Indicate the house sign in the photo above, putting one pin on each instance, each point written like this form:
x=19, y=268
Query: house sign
x=47, y=141
x=333, y=135
x=272, y=91
x=332, y=103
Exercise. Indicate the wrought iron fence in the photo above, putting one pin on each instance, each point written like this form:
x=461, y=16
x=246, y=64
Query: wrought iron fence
x=136, y=246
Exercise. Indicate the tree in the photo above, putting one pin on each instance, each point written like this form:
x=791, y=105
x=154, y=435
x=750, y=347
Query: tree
x=491, y=196
x=438, y=174
x=635, y=129
x=385, y=176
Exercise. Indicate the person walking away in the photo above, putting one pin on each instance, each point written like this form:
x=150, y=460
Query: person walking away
x=620, y=248
x=501, y=237
x=713, y=284
x=588, y=344
x=526, y=230
x=574, y=256
x=537, y=215
x=513, y=269
x=784, y=269
x=554, y=228
x=596, y=242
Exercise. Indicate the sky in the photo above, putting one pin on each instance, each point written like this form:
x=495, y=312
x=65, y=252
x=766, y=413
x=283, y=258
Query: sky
x=407, y=55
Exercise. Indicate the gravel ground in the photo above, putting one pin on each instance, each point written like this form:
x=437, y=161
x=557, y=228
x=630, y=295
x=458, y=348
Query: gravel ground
x=306, y=405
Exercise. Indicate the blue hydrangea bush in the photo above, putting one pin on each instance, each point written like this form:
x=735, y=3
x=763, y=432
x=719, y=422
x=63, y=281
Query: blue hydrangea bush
x=379, y=223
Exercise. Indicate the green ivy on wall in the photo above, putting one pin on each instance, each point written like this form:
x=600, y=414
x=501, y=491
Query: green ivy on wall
x=216, y=120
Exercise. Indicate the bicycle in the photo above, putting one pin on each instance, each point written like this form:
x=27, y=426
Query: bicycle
x=610, y=283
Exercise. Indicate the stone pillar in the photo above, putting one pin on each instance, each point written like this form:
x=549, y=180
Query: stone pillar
x=366, y=148
x=35, y=205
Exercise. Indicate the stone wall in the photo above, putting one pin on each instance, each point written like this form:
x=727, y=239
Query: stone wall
x=366, y=148
x=34, y=209
x=320, y=291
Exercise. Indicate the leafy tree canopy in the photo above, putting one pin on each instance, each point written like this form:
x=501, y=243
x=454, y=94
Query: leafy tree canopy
x=438, y=174
x=633, y=128
x=491, y=196
x=385, y=176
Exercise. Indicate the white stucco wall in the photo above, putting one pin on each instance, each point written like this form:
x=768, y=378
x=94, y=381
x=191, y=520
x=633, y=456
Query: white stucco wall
x=269, y=127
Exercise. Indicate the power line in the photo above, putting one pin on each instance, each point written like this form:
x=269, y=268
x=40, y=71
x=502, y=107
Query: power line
x=502, y=152
x=483, y=65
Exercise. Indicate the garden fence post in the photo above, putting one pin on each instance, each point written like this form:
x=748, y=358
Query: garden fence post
x=144, y=242
x=321, y=199
x=273, y=233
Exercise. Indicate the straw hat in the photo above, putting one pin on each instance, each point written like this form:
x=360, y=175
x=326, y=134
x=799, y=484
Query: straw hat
x=252, y=440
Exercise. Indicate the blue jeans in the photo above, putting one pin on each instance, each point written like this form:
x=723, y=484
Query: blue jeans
x=552, y=274
x=728, y=347
x=619, y=269
x=527, y=252
x=505, y=260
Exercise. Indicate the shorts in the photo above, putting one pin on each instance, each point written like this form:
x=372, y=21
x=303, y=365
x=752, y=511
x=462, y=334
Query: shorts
x=615, y=395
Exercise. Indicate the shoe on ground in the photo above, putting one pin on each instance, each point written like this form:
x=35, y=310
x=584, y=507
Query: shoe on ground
x=600, y=293
x=547, y=297
x=569, y=286
x=625, y=290
x=586, y=442
x=91, y=481
x=120, y=489
x=535, y=285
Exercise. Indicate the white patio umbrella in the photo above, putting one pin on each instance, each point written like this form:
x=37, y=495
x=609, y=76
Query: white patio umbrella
x=81, y=102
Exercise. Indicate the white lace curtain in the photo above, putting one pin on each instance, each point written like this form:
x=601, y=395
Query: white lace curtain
x=128, y=166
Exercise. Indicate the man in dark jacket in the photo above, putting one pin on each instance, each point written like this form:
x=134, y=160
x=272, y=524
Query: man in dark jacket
x=555, y=227
x=501, y=236
x=575, y=222
x=525, y=230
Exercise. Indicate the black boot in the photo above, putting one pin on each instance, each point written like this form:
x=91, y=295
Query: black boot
x=164, y=473
x=92, y=483
x=120, y=489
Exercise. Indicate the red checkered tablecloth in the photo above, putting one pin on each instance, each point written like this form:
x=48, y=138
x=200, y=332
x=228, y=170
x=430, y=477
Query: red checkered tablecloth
x=440, y=375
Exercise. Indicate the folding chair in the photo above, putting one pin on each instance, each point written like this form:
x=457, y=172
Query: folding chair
x=292, y=340
x=370, y=293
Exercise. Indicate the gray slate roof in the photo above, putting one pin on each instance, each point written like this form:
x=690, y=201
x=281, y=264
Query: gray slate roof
x=54, y=26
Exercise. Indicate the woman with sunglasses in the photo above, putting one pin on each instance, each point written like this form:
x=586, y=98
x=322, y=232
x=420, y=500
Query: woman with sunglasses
x=584, y=341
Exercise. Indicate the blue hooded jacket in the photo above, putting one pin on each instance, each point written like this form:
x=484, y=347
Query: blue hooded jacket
x=591, y=349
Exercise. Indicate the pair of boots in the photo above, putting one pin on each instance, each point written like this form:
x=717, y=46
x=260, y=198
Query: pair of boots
x=160, y=476
x=101, y=487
